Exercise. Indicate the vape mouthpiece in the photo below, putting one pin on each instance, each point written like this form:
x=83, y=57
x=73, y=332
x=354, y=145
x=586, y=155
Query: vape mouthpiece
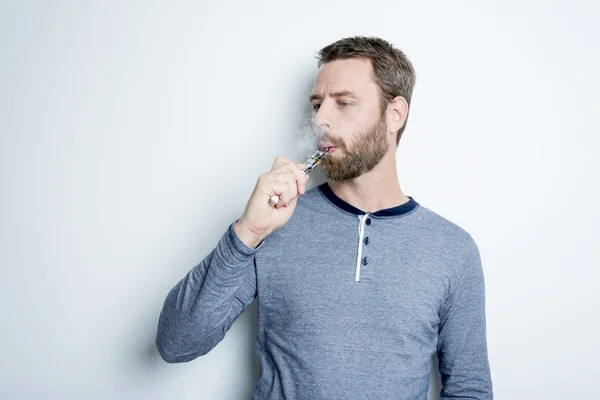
x=309, y=165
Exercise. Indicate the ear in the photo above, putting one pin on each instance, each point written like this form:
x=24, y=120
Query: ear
x=397, y=113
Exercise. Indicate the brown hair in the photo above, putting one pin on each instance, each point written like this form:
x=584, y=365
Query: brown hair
x=394, y=73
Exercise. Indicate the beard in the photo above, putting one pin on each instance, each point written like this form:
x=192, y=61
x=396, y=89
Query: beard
x=366, y=151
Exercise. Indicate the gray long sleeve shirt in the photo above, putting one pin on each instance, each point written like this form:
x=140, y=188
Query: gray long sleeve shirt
x=351, y=304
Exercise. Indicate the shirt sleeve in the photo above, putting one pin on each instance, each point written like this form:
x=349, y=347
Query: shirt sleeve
x=462, y=344
x=201, y=308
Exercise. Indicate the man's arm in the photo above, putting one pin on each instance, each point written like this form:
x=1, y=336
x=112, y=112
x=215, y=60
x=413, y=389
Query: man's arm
x=462, y=344
x=202, y=307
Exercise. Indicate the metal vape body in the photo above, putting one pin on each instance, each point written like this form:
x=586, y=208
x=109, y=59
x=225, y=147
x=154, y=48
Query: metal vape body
x=313, y=161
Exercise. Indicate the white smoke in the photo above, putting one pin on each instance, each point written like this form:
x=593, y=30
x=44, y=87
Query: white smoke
x=308, y=138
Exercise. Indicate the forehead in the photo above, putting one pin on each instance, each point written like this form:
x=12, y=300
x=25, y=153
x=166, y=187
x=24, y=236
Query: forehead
x=353, y=74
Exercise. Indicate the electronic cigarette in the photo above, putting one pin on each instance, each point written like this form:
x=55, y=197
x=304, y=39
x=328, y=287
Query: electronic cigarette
x=309, y=165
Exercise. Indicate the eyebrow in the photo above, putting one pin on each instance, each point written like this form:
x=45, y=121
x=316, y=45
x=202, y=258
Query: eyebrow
x=343, y=93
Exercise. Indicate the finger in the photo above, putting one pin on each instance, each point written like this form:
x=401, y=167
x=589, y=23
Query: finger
x=295, y=174
x=291, y=202
x=288, y=192
x=278, y=188
x=298, y=170
x=303, y=178
x=292, y=190
x=282, y=161
x=279, y=161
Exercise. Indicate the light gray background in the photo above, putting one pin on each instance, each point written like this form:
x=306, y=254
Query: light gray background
x=132, y=135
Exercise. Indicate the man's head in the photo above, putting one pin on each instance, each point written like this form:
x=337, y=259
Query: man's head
x=360, y=101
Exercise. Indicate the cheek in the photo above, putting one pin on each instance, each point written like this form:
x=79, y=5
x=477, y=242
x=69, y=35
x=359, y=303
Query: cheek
x=351, y=123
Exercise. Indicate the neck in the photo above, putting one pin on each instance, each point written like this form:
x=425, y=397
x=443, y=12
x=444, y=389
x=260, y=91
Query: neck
x=375, y=190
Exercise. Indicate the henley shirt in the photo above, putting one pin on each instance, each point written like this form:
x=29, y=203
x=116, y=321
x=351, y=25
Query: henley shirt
x=351, y=304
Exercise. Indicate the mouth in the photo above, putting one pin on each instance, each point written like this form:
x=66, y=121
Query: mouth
x=328, y=148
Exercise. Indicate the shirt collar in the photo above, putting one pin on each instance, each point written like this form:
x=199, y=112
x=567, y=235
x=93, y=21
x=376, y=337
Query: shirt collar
x=387, y=212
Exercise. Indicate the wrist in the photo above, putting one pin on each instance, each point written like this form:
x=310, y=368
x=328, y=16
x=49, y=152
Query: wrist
x=247, y=235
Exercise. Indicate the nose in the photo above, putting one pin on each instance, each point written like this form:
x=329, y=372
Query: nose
x=321, y=118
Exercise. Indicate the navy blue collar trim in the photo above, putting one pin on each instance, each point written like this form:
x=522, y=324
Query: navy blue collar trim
x=387, y=212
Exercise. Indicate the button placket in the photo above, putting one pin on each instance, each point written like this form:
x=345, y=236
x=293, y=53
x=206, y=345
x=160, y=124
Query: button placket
x=365, y=260
x=362, y=259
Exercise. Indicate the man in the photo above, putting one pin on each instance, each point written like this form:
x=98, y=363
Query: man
x=357, y=284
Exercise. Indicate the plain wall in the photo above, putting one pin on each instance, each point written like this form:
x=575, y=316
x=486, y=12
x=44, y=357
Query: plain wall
x=132, y=134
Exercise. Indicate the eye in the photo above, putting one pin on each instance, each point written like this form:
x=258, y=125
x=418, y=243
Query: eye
x=343, y=103
x=315, y=107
